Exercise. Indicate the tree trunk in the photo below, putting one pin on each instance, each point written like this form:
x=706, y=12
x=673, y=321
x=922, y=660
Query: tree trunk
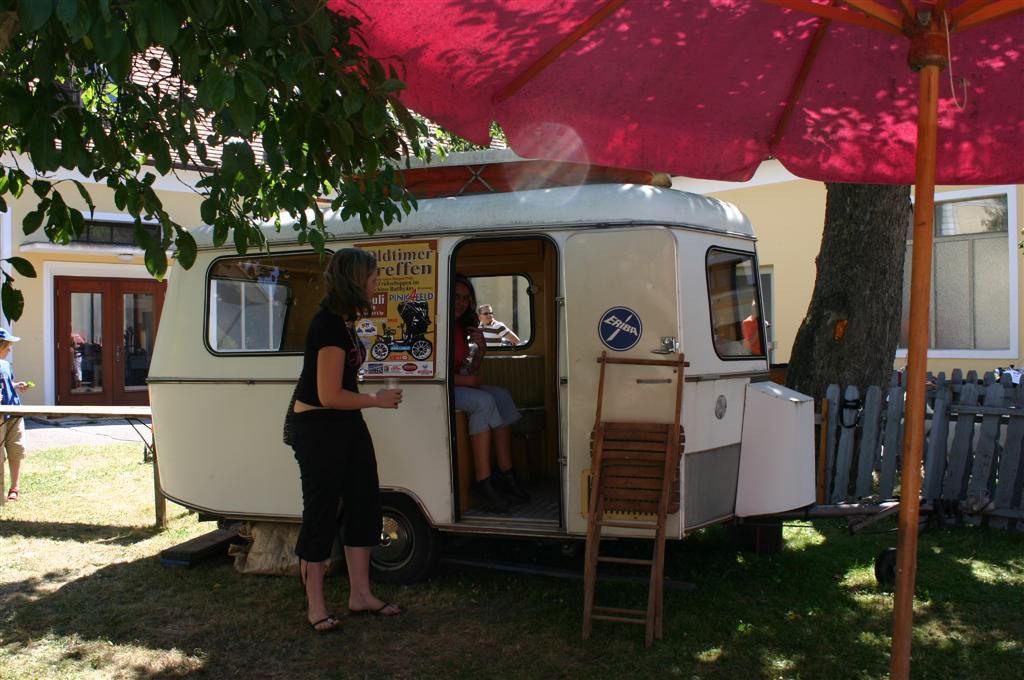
x=851, y=329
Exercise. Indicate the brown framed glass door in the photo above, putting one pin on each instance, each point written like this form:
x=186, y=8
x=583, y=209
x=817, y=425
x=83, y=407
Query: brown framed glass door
x=105, y=334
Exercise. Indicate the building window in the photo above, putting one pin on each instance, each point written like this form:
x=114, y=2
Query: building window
x=107, y=232
x=262, y=304
x=735, y=320
x=973, y=274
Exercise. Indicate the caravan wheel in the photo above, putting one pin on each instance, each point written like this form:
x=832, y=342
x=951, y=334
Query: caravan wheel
x=409, y=546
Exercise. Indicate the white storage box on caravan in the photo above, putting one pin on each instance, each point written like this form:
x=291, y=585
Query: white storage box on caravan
x=776, y=451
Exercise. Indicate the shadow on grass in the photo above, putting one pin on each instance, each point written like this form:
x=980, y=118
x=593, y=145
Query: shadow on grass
x=817, y=612
x=81, y=533
x=793, y=614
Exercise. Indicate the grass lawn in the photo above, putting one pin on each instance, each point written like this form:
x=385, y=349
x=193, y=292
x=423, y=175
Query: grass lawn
x=83, y=595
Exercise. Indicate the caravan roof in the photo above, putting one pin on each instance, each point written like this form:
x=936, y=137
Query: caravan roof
x=550, y=208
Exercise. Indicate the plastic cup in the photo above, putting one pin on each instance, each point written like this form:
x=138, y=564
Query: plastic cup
x=392, y=384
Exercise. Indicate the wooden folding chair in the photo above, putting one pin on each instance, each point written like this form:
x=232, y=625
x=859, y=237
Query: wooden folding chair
x=635, y=470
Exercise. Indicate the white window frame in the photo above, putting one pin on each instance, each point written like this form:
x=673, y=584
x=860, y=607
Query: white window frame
x=767, y=272
x=1013, y=282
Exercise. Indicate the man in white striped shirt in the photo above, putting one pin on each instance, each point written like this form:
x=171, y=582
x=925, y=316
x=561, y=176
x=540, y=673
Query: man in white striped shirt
x=496, y=334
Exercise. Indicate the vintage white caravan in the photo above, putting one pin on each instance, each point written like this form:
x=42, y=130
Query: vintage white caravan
x=628, y=268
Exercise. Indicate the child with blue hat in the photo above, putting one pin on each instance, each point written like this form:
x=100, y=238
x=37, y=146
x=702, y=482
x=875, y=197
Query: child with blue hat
x=13, y=427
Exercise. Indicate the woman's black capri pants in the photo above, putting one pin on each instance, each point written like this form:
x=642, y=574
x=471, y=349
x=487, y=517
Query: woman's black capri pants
x=336, y=463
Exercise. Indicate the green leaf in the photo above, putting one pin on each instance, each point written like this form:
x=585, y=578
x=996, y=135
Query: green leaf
x=220, y=232
x=164, y=24
x=373, y=118
x=77, y=222
x=85, y=196
x=79, y=26
x=244, y=115
x=208, y=210
x=217, y=87
x=241, y=239
x=32, y=221
x=109, y=41
x=13, y=301
x=186, y=249
x=316, y=239
x=67, y=10
x=143, y=238
x=23, y=267
x=34, y=13
x=41, y=187
x=253, y=86
x=156, y=261
x=352, y=102
x=140, y=31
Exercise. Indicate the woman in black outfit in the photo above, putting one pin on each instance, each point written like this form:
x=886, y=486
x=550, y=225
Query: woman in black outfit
x=333, y=446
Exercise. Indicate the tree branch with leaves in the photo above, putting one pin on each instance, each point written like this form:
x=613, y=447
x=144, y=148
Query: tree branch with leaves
x=275, y=102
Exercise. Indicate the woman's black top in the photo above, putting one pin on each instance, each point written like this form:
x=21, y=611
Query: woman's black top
x=329, y=330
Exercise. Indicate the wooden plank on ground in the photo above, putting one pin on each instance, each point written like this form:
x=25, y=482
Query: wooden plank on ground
x=892, y=443
x=201, y=548
x=869, y=441
x=847, y=436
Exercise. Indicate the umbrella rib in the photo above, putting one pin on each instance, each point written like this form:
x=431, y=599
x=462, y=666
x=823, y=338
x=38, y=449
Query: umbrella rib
x=847, y=16
x=880, y=12
x=975, y=13
x=801, y=79
x=561, y=46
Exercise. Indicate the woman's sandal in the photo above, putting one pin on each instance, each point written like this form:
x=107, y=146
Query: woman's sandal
x=12, y=495
x=331, y=623
x=377, y=612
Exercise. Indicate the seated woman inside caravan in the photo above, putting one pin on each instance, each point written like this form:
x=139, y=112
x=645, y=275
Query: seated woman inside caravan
x=490, y=408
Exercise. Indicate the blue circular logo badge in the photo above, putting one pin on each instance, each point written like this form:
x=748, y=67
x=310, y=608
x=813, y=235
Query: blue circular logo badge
x=620, y=328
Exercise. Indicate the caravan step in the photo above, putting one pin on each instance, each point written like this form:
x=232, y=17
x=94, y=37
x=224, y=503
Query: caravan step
x=199, y=549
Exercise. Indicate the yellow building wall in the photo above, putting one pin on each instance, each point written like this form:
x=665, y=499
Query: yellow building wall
x=788, y=217
x=30, y=354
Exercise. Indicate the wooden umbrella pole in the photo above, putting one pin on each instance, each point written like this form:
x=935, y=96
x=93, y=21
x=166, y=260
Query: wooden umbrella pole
x=917, y=357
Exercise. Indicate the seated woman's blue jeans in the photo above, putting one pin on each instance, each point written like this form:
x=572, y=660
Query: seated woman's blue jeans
x=489, y=407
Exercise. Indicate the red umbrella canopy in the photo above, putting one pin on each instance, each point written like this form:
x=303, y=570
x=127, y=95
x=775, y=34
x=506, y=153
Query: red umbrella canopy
x=710, y=89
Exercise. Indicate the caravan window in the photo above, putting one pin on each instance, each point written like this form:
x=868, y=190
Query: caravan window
x=735, y=319
x=263, y=303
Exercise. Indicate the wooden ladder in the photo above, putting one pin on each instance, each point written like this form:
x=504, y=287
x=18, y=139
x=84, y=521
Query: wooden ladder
x=634, y=470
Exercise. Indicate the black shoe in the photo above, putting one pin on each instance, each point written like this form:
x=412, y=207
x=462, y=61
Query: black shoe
x=507, y=484
x=485, y=492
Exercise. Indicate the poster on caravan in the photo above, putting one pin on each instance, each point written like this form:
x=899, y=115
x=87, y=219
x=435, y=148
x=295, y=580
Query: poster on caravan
x=400, y=335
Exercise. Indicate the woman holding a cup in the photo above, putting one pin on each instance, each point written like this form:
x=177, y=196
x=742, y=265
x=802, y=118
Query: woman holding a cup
x=333, y=445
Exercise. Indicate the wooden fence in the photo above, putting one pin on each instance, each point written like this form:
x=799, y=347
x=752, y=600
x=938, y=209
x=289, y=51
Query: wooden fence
x=973, y=465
